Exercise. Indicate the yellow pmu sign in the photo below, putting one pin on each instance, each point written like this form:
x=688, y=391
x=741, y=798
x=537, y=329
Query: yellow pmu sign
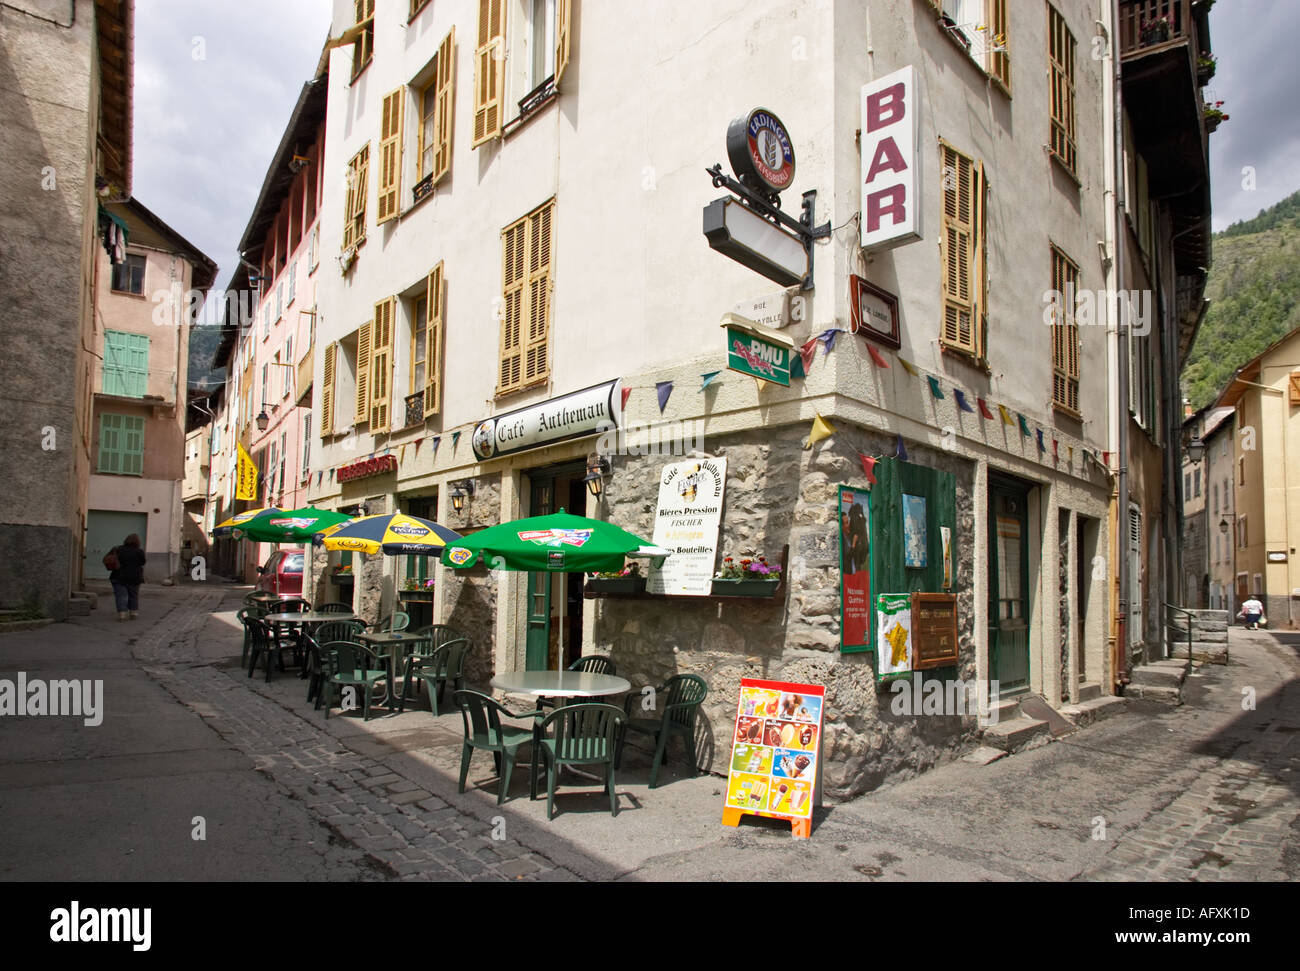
x=245, y=477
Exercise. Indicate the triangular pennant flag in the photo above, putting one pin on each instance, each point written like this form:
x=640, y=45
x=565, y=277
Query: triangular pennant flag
x=331, y=475
x=455, y=440
x=962, y=403
x=1070, y=450
x=708, y=379
x=808, y=352
x=761, y=384
x=627, y=393
x=437, y=439
x=984, y=408
x=664, y=390
x=1056, y=451
x=418, y=441
x=1024, y=425
x=1006, y=415
x=1105, y=457
x=877, y=358
x=821, y=429
x=908, y=366
x=934, y=385
x=827, y=337
x=1041, y=446
x=868, y=467
x=401, y=454
x=902, y=449
x=796, y=366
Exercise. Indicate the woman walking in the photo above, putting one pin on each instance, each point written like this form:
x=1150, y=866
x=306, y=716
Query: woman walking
x=127, y=576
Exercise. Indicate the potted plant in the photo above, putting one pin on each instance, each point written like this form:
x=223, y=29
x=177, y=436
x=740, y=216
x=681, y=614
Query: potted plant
x=343, y=575
x=1206, y=65
x=1214, y=115
x=417, y=590
x=1156, y=31
x=749, y=576
x=626, y=580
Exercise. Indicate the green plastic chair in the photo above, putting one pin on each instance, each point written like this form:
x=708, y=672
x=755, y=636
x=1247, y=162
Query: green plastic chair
x=393, y=623
x=334, y=608
x=244, y=616
x=318, y=661
x=351, y=665
x=423, y=654
x=594, y=664
x=263, y=644
x=483, y=729
x=585, y=734
x=681, y=697
x=446, y=664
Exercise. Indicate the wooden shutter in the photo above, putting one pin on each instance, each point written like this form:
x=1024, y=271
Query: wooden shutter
x=489, y=71
x=444, y=106
x=1135, y=573
x=512, y=277
x=390, y=156
x=110, y=459
x=364, y=351
x=1065, y=334
x=327, y=392
x=539, y=294
x=381, y=367
x=563, y=20
x=435, y=302
x=999, y=41
x=957, y=250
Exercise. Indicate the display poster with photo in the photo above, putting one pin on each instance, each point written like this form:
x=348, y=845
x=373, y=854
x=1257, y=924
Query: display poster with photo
x=686, y=522
x=774, y=749
x=855, y=570
x=894, y=635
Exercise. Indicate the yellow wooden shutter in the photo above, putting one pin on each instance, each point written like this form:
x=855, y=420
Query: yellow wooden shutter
x=363, y=193
x=563, y=20
x=445, y=106
x=364, y=352
x=327, y=393
x=980, y=258
x=489, y=71
x=381, y=367
x=956, y=249
x=513, y=279
x=390, y=156
x=435, y=290
x=539, y=294
x=349, y=207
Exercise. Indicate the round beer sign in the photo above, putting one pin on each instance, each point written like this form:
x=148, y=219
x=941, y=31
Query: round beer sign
x=759, y=148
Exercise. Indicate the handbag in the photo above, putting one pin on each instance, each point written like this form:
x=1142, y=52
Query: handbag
x=110, y=559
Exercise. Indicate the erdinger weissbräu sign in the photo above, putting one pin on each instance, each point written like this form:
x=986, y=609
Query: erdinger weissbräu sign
x=575, y=415
x=891, y=200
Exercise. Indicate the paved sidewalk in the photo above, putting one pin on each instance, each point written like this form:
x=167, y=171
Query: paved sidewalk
x=1205, y=791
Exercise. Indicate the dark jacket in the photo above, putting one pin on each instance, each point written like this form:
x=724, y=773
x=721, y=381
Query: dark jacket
x=130, y=565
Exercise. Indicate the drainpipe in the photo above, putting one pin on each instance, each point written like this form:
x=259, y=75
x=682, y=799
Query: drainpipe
x=1120, y=668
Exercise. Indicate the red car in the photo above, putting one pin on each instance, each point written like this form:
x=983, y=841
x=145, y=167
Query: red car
x=282, y=573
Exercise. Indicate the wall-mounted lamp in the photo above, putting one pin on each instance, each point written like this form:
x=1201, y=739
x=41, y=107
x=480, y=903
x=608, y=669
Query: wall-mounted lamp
x=1223, y=526
x=1195, y=450
x=263, y=419
x=597, y=469
x=460, y=491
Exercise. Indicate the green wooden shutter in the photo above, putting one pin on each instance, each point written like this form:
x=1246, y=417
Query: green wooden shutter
x=126, y=364
x=110, y=435
x=132, y=445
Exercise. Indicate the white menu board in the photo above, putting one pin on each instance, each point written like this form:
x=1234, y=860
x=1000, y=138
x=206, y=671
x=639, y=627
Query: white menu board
x=686, y=522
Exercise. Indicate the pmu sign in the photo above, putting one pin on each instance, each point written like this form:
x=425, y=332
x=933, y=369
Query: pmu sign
x=891, y=200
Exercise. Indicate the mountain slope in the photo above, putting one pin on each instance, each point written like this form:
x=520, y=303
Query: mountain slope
x=1254, y=293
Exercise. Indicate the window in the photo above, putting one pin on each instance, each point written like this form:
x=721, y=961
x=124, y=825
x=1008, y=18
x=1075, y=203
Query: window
x=327, y=391
x=1196, y=483
x=981, y=27
x=416, y=7
x=354, y=216
x=284, y=455
x=489, y=71
x=419, y=340
x=962, y=252
x=1259, y=585
x=545, y=39
x=998, y=39
x=1215, y=493
x=364, y=51
x=313, y=249
x=381, y=365
x=279, y=301
x=128, y=277
x=1065, y=335
x=266, y=320
x=1060, y=56
x=390, y=156
x=1227, y=496
x=526, y=286
x=306, y=445
x=1187, y=484
x=126, y=364
x=1241, y=533
x=542, y=42
x=270, y=474
x=266, y=386
x=121, y=445
x=293, y=281
x=437, y=105
x=1135, y=572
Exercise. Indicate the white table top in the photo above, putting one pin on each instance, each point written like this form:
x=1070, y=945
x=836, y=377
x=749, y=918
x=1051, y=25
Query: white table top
x=306, y=617
x=560, y=684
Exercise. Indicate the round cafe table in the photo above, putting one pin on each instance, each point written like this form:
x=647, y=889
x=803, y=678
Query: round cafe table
x=560, y=684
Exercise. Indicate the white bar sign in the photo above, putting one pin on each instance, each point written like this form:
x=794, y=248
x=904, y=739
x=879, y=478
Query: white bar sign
x=891, y=199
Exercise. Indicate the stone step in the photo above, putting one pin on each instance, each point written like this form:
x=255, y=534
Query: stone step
x=1005, y=709
x=1160, y=693
x=88, y=595
x=1015, y=733
x=79, y=607
x=1093, y=710
x=1089, y=690
x=1167, y=674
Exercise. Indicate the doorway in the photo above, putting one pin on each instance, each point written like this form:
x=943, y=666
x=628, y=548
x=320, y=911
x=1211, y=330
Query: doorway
x=551, y=489
x=1009, y=584
x=106, y=529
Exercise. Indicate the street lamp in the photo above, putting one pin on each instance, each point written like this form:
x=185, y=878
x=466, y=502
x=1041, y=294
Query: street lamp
x=460, y=490
x=263, y=420
x=1223, y=526
x=1195, y=450
x=597, y=469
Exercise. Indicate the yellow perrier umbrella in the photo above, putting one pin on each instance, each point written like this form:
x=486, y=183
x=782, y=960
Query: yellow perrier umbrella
x=394, y=533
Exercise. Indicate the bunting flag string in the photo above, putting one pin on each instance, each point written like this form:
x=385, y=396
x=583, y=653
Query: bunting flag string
x=984, y=409
x=418, y=442
x=455, y=440
x=708, y=379
x=934, y=386
x=808, y=353
x=828, y=337
x=821, y=429
x=1070, y=450
x=902, y=449
x=627, y=393
x=868, y=467
x=796, y=367
x=908, y=366
x=1041, y=446
x=401, y=454
x=437, y=439
x=1006, y=415
x=331, y=475
x=1056, y=451
x=664, y=389
x=1024, y=425
x=876, y=357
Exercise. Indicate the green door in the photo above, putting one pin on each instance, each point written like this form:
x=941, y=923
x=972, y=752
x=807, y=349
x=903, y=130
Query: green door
x=537, y=653
x=1009, y=586
x=106, y=529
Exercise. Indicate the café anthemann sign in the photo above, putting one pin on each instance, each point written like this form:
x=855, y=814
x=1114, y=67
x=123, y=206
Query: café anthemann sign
x=575, y=415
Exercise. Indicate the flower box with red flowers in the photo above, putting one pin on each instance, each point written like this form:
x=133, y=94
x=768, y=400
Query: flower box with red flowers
x=747, y=576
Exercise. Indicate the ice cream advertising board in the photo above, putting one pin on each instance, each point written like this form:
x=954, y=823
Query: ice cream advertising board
x=774, y=752
x=686, y=522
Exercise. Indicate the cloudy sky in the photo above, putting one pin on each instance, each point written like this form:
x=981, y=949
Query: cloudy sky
x=213, y=97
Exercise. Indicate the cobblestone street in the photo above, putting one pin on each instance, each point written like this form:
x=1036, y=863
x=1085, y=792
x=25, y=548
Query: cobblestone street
x=1206, y=791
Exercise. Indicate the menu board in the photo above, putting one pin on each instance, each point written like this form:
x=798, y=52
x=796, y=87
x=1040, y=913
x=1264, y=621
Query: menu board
x=934, y=630
x=686, y=522
x=774, y=749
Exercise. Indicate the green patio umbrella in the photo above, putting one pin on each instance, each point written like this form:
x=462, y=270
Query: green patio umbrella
x=558, y=543
x=235, y=524
x=294, y=526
